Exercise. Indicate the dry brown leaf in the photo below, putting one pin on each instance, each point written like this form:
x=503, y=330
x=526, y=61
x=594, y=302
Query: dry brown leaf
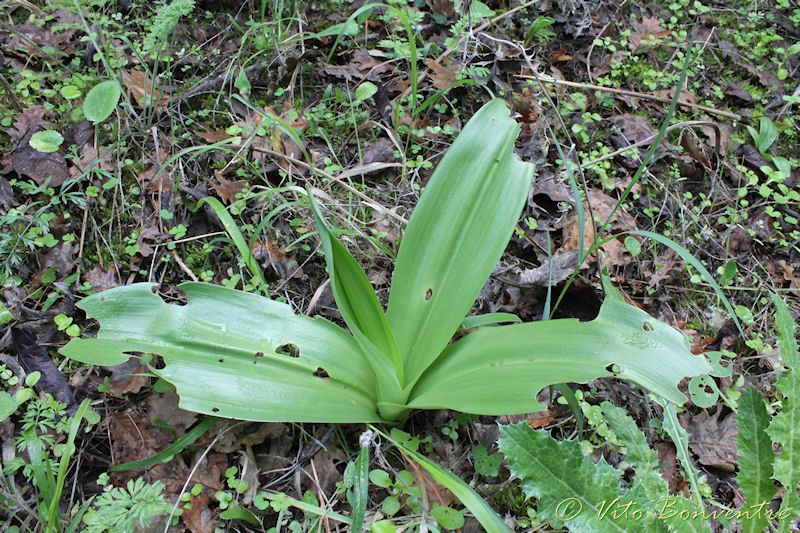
x=443, y=76
x=126, y=377
x=198, y=518
x=142, y=89
x=602, y=207
x=212, y=136
x=361, y=67
x=164, y=406
x=541, y=419
x=714, y=440
x=225, y=188
x=26, y=160
x=649, y=28
x=100, y=279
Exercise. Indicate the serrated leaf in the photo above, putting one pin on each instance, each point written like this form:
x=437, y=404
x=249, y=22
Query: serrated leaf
x=229, y=354
x=101, y=101
x=558, y=474
x=785, y=426
x=755, y=456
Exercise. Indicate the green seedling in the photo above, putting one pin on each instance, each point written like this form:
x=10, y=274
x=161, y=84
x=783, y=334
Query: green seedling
x=240, y=355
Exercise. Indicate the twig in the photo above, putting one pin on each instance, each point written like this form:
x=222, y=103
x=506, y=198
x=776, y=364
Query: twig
x=353, y=172
x=635, y=94
x=647, y=140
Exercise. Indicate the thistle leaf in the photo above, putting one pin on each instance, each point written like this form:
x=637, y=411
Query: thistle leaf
x=755, y=456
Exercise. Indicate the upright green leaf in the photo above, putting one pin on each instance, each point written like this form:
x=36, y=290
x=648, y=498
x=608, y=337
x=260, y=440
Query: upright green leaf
x=360, y=489
x=755, y=456
x=785, y=426
x=361, y=310
x=234, y=354
x=623, y=341
x=456, y=235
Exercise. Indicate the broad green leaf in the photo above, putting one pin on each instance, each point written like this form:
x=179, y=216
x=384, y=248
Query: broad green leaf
x=456, y=235
x=361, y=310
x=785, y=426
x=481, y=510
x=101, y=101
x=46, y=141
x=623, y=341
x=234, y=354
x=755, y=456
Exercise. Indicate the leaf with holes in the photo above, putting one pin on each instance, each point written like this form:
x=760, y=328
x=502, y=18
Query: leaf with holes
x=242, y=356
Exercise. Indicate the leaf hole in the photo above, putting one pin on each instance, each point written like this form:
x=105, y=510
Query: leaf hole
x=288, y=349
x=259, y=355
x=221, y=359
x=647, y=326
x=215, y=409
x=428, y=295
x=321, y=373
x=614, y=368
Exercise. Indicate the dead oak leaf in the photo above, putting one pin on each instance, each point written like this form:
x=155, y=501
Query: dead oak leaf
x=644, y=32
x=30, y=162
x=714, y=440
x=226, y=189
x=143, y=90
x=361, y=67
x=99, y=279
x=442, y=75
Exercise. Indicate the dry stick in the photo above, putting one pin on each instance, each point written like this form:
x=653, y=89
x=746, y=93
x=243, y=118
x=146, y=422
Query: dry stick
x=627, y=92
x=372, y=167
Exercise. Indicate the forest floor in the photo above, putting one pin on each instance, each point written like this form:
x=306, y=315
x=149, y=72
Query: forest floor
x=250, y=103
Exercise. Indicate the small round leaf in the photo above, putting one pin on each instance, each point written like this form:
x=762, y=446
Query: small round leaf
x=70, y=92
x=365, y=90
x=101, y=101
x=46, y=141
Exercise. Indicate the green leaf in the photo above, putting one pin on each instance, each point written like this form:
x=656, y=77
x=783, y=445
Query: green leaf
x=564, y=481
x=755, y=456
x=233, y=231
x=681, y=440
x=242, y=83
x=361, y=310
x=785, y=426
x=447, y=517
x=46, y=141
x=767, y=133
x=485, y=464
x=237, y=513
x=365, y=90
x=7, y=405
x=101, y=101
x=360, y=489
x=456, y=235
x=70, y=92
x=488, y=319
x=481, y=510
x=226, y=353
x=527, y=357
